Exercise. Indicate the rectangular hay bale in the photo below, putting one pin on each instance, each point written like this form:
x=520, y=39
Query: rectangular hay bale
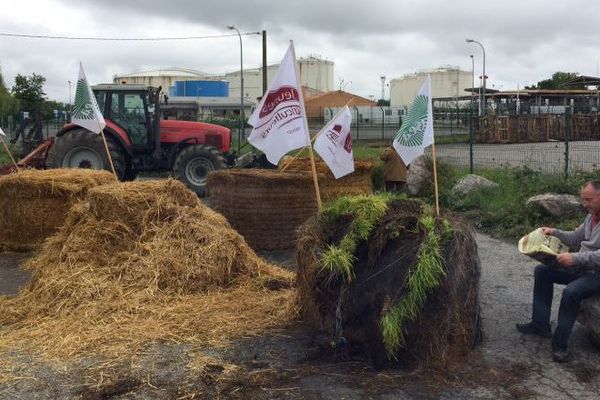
x=33, y=203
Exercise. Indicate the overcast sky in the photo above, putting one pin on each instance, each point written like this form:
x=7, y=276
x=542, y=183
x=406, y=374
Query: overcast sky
x=525, y=41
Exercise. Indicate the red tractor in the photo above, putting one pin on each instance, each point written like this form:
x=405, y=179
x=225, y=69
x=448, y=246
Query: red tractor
x=139, y=140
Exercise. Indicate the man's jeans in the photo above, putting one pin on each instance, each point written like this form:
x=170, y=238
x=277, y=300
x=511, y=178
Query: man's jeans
x=579, y=286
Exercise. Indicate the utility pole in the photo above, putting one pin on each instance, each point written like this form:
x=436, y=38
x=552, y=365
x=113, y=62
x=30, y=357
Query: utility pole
x=264, y=61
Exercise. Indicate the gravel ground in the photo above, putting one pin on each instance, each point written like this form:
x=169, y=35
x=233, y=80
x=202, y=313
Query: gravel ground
x=287, y=364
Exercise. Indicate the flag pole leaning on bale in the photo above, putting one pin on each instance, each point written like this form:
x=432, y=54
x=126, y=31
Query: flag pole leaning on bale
x=314, y=138
x=416, y=132
x=87, y=114
x=279, y=121
x=334, y=144
x=2, y=136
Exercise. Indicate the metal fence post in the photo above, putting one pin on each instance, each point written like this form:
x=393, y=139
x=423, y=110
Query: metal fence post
x=471, y=137
x=357, y=122
x=568, y=129
x=382, y=123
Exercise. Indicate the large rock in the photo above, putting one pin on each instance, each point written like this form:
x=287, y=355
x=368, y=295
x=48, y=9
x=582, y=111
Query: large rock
x=590, y=317
x=418, y=175
x=557, y=205
x=470, y=183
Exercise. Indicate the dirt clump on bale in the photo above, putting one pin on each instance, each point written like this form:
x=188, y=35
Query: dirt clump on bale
x=356, y=183
x=142, y=262
x=387, y=279
x=265, y=206
x=34, y=203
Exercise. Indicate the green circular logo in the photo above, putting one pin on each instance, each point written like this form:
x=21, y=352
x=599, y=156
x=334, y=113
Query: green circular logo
x=413, y=129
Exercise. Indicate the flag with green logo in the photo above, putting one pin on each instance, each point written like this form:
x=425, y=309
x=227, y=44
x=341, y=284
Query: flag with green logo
x=416, y=131
x=86, y=112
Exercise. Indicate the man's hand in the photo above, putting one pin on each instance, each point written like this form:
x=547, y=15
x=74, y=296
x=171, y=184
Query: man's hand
x=566, y=259
x=547, y=231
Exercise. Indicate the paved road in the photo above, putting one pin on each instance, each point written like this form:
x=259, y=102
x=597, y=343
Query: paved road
x=506, y=287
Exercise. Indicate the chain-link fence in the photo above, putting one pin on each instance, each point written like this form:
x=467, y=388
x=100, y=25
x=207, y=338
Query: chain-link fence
x=383, y=122
x=27, y=134
x=556, y=142
x=552, y=140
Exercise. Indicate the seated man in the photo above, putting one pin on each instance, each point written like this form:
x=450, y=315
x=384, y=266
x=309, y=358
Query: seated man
x=579, y=271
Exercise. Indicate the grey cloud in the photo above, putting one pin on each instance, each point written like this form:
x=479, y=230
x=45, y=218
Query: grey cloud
x=525, y=41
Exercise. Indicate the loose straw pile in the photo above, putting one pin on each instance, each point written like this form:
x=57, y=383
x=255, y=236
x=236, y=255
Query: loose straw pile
x=138, y=263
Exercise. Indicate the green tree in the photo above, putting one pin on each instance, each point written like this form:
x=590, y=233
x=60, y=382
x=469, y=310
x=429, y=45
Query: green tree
x=29, y=91
x=8, y=104
x=559, y=80
x=49, y=106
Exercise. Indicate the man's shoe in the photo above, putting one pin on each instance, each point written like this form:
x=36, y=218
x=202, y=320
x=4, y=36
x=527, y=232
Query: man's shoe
x=533, y=328
x=560, y=354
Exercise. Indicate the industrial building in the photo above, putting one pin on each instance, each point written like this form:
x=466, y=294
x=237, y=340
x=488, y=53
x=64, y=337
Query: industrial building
x=163, y=77
x=315, y=73
x=446, y=82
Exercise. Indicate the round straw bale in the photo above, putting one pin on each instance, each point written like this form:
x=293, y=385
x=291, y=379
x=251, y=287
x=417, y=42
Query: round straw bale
x=265, y=206
x=356, y=183
x=409, y=294
x=33, y=203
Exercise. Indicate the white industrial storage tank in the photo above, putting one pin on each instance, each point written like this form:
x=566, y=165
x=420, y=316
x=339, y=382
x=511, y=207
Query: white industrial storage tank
x=447, y=82
x=315, y=73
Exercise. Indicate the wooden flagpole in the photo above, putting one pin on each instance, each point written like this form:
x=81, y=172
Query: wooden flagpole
x=315, y=180
x=430, y=120
x=108, y=154
x=310, y=150
x=9, y=153
x=299, y=152
x=293, y=159
x=435, y=182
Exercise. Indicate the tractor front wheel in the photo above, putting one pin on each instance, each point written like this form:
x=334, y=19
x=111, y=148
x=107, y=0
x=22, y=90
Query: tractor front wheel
x=81, y=148
x=193, y=164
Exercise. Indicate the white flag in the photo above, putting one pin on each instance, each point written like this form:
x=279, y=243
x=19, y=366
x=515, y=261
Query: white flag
x=2, y=132
x=416, y=132
x=334, y=144
x=279, y=121
x=86, y=112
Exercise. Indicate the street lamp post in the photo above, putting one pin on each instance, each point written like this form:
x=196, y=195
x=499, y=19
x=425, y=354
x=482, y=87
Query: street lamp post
x=471, y=114
x=241, y=86
x=482, y=106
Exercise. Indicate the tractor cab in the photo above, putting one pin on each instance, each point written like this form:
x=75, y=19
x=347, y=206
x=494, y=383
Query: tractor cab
x=134, y=109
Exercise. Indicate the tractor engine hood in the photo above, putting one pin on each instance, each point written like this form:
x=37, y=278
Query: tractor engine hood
x=173, y=131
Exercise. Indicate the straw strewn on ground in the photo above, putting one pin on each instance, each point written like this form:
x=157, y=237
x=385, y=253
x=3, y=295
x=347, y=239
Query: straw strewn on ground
x=137, y=263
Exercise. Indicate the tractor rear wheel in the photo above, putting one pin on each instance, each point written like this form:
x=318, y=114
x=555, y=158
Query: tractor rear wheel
x=193, y=164
x=81, y=148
